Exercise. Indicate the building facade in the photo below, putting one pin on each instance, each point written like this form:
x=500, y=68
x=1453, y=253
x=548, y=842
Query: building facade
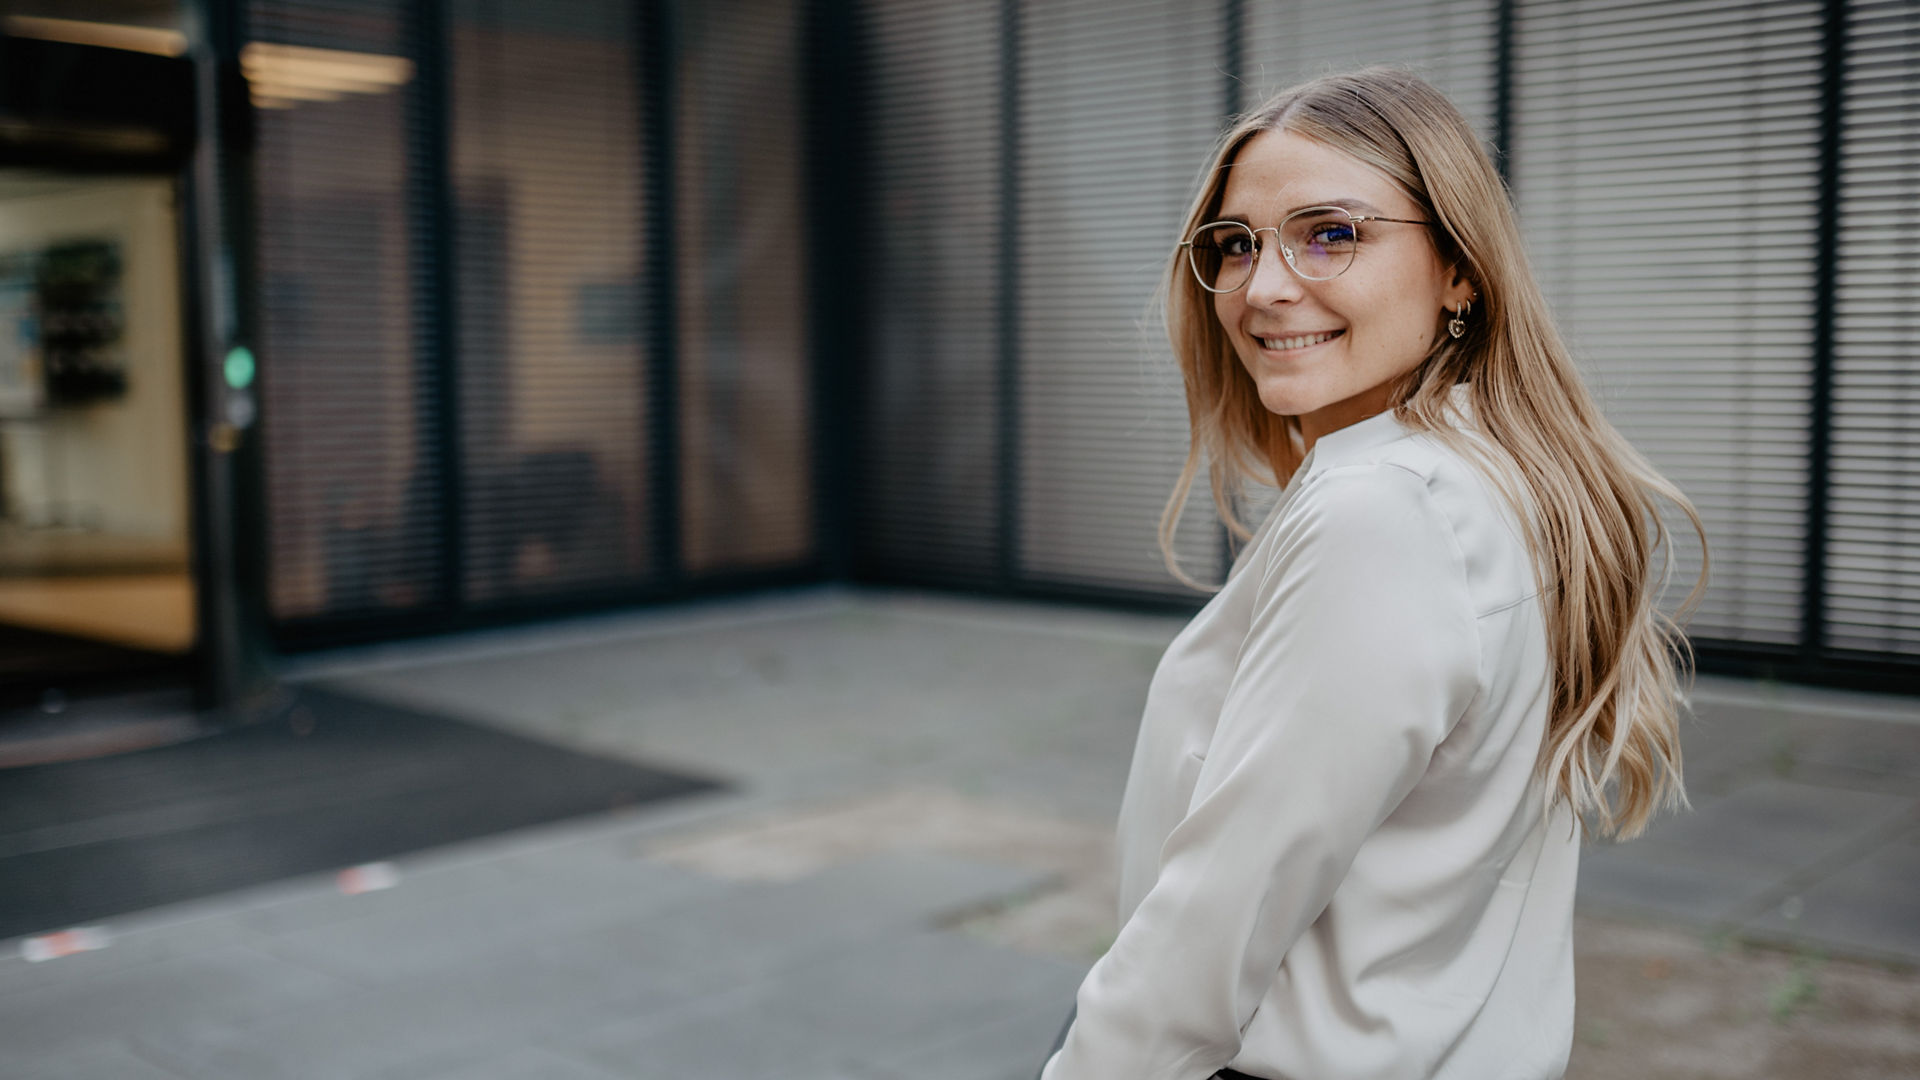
x=566, y=305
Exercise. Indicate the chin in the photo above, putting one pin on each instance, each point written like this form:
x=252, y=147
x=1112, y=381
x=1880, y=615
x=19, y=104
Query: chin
x=1283, y=400
x=1287, y=389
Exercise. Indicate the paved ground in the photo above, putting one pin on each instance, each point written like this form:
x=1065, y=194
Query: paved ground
x=913, y=872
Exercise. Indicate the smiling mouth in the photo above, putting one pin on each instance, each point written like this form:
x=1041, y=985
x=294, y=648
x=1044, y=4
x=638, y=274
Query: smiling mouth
x=1298, y=341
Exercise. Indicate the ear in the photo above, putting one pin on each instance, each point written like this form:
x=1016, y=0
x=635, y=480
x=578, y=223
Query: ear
x=1460, y=290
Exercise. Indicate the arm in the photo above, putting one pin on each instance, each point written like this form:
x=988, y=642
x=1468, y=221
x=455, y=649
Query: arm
x=1362, y=654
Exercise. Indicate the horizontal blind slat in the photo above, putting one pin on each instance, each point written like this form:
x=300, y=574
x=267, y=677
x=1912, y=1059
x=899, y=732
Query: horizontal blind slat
x=1873, y=542
x=1647, y=140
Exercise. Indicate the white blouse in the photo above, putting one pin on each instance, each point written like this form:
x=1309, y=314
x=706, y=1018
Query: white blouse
x=1336, y=858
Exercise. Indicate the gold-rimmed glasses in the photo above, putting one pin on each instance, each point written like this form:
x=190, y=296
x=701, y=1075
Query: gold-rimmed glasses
x=1318, y=243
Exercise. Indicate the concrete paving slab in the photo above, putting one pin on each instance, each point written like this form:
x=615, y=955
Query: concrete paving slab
x=1866, y=754
x=575, y=975
x=126, y=948
x=1769, y=696
x=428, y=880
x=732, y=1036
x=228, y=985
x=886, y=999
x=1012, y=1048
x=1867, y=742
x=1726, y=745
x=759, y=927
x=422, y=925
x=807, y=980
x=417, y=886
x=865, y=1011
x=842, y=698
x=493, y=1000
x=512, y=1063
x=1614, y=882
x=1768, y=829
x=1870, y=908
x=99, y=1062
x=431, y=877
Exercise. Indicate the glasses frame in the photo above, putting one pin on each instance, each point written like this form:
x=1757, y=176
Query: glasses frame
x=1286, y=253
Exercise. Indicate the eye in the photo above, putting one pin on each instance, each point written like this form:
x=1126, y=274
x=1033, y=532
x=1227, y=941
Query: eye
x=1333, y=235
x=1228, y=242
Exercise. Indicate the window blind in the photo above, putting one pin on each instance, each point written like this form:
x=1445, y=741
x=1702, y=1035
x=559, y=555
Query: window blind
x=1873, y=545
x=1665, y=164
x=928, y=506
x=1119, y=104
x=746, y=448
x=349, y=421
x=546, y=168
x=1449, y=42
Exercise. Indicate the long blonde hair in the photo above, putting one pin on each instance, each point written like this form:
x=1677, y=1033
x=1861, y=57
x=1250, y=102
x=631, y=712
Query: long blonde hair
x=1589, y=501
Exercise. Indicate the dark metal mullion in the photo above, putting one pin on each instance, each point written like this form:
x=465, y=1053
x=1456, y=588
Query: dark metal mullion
x=230, y=541
x=241, y=217
x=435, y=274
x=1008, y=368
x=658, y=51
x=833, y=64
x=1503, y=28
x=1826, y=278
x=211, y=538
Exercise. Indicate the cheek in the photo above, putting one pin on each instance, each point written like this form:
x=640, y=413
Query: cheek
x=1226, y=308
x=1401, y=320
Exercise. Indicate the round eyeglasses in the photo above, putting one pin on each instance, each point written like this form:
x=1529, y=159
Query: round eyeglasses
x=1318, y=243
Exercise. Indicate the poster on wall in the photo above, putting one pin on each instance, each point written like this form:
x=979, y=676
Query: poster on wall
x=61, y=324
x=22, y=387
x=82, y=321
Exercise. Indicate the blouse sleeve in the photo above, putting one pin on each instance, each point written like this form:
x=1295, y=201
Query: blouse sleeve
x=1362, y=653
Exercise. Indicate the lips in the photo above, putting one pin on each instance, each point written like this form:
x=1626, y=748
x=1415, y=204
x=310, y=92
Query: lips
x=1297, y=341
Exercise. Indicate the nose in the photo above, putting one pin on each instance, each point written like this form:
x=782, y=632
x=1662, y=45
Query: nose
x=1273, y=282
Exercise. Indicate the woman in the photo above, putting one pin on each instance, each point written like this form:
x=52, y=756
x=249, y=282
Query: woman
x=1350, y=834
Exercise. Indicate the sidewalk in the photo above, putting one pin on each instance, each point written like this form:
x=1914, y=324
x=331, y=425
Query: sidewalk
x=911, y=872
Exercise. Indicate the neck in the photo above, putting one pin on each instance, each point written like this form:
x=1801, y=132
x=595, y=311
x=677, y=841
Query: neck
x=1361, y=406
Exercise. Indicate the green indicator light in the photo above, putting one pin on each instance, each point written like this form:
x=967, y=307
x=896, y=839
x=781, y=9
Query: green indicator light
x=240, y=367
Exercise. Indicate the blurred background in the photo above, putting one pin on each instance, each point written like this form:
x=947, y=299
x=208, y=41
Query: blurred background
x=337, y=333
x=547, y=307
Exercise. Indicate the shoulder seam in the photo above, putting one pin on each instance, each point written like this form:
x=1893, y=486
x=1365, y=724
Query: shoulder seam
x=1459, y=560
x=1425, y=480
x=1508, y=606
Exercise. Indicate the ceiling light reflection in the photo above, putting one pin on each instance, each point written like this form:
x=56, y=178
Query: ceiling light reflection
x=284, y=75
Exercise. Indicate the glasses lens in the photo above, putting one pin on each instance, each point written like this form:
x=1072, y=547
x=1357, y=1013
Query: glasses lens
x=1222, y=255
x=1320, y=242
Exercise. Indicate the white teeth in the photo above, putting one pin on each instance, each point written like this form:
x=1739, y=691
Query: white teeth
x=1300, y=341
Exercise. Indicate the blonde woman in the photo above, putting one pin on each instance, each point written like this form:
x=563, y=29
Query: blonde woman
x=1351, y=830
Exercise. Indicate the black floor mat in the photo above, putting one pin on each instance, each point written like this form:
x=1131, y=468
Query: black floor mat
x=35, y=661
x=335, y=782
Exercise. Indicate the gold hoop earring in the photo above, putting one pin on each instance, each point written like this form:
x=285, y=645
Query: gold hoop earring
x=1457, y=326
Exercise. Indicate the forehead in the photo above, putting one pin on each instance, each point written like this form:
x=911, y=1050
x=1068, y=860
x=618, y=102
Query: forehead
x=1277, y=172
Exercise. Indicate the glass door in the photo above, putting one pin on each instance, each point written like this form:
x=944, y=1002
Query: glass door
x=96, y=583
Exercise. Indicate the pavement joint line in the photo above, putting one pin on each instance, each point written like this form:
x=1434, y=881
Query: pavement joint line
x=1805, y=878
x=632, y=624
x=1807, y=701
x=138, y=1053
x=1787, y=942
x=618, y=831
x=1015, y=625
x=953, y=918
x=656, y=1020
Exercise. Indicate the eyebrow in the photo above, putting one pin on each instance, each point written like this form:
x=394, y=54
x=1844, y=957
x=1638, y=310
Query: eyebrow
x=1345, y=202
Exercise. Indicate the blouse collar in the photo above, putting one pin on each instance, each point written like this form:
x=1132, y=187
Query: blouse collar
x=1355, y=441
